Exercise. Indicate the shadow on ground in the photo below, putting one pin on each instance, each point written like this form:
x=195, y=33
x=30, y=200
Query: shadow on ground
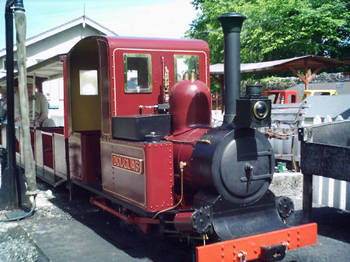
x=123, y=236
x=332, y=223
x=333, y=241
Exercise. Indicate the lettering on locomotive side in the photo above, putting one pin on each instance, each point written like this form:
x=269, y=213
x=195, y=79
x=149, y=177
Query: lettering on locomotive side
x=127, y=163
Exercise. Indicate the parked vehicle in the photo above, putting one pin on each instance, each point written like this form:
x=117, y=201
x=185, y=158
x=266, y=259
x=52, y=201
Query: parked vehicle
x=320, y=92
x=282, y=96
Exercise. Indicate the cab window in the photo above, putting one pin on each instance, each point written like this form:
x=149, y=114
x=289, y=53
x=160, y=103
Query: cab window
x=137, y=73
x=186, y=67
x=88, y=82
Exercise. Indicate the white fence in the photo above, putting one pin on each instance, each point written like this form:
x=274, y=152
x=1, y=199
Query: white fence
x=331, y=192
x=328, y=191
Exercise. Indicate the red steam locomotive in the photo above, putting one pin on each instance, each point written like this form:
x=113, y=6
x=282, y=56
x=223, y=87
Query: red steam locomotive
x=138, y=136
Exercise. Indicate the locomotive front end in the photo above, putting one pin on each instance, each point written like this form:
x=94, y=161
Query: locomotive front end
x=230, y=168
x=234, y=161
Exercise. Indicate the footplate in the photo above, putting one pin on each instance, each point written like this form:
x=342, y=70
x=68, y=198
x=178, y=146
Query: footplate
x=267, y=246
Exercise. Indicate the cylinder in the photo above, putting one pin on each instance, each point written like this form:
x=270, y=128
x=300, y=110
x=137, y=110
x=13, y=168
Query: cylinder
x=231, y=25
x=254, y=91
x=183, y=221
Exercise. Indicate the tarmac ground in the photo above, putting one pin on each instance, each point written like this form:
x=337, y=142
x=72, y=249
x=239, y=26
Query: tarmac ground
x=63, y=230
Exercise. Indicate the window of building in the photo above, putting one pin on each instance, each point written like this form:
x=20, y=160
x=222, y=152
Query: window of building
x=186, y=67
x=137, y=73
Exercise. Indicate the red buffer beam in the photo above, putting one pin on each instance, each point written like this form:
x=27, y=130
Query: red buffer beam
x=252, y=247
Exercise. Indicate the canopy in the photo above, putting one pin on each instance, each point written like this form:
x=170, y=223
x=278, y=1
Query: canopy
x=297, y=63
x=48, y=69
x=311, y=65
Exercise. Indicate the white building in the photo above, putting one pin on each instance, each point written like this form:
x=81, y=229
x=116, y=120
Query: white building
x=43, y=58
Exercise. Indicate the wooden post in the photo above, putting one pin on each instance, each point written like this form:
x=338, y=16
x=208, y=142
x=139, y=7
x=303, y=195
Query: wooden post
x=220, y=80
x=222, y=84
x=308, y=75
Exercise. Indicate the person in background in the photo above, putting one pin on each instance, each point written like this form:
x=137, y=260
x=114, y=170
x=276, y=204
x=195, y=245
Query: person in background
x=40, y=116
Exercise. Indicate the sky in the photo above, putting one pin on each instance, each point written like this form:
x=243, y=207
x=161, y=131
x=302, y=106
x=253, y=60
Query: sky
x=149, y=18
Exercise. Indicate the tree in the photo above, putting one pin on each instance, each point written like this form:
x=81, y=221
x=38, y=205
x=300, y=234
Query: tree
x=277, y=29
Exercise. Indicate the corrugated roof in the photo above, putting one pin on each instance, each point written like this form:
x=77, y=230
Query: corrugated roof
x=49, y=69
x=84, y=20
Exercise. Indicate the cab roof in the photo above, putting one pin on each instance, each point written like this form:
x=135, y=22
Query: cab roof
x=147, y=43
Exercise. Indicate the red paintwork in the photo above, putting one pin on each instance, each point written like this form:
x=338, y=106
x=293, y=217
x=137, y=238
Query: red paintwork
x=47, y=144
x=17, y=146
x=228, y=251
x=143, y=222
x=100, y=202
x=183, y=221
x=84, y=155
x=152, y=189
x=64, y=60
x=190, y=106
x=159, y=176
x=283, y=96
x=183, y=147
x=47, y=149
x=128, y=104
x=123, y=184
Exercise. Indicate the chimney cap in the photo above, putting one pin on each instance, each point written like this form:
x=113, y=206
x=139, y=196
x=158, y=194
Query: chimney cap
x=232, y=14
x=231, y=22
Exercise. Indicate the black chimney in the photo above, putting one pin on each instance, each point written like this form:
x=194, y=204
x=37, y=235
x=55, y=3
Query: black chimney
x=231, y=25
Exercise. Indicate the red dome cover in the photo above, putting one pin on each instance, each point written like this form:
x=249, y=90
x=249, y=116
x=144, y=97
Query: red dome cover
x=190, y=106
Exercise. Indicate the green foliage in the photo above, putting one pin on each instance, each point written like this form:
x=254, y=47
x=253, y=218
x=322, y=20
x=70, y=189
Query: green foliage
x=214, y=85
x=277, y=29
x=270, y=83
x=192, y=63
